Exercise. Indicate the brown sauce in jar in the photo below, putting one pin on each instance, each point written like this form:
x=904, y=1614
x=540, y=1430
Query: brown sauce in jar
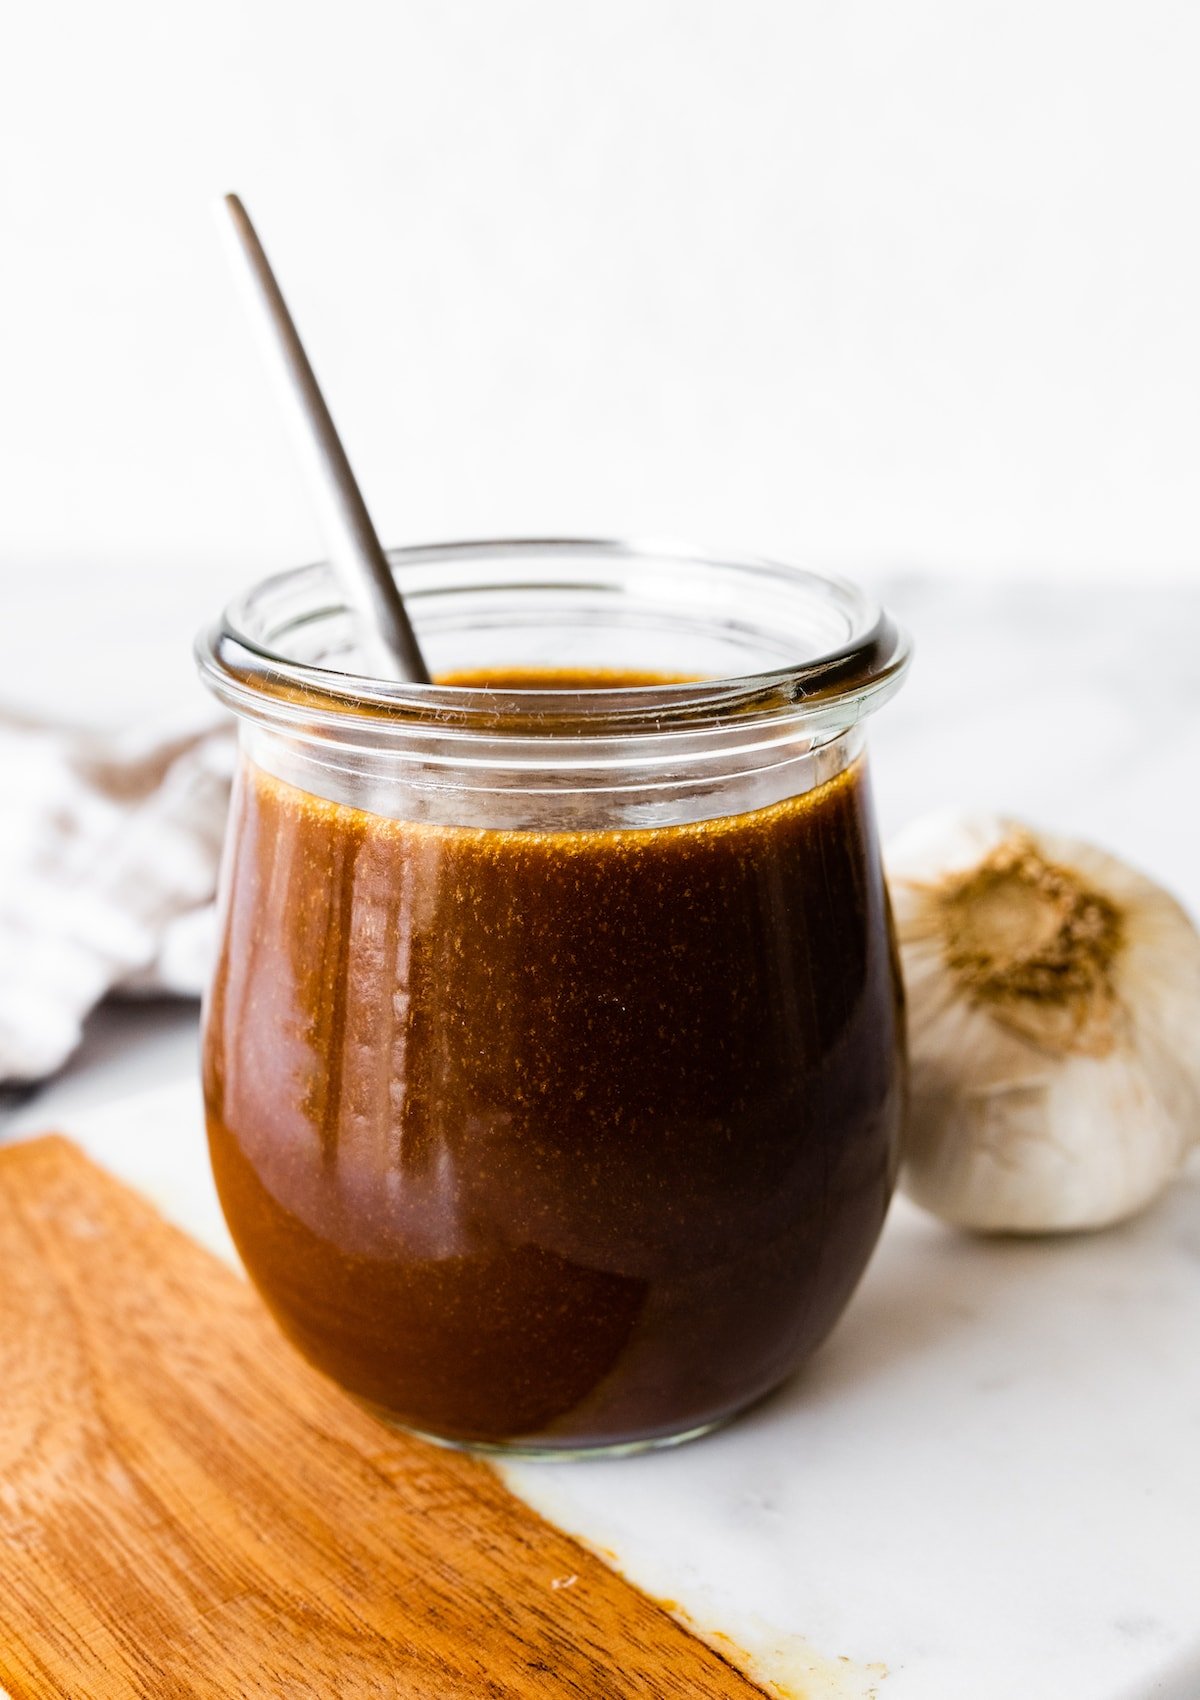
x=567, y=1138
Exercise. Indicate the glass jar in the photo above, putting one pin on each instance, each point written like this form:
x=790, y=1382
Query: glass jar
x=553, y=1060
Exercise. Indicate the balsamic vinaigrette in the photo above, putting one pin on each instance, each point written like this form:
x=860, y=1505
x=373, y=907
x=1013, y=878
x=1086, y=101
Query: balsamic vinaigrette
x=569, y=1138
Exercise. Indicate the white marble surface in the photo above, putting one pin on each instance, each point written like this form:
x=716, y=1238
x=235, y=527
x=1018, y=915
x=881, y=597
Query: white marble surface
x=987, y=1484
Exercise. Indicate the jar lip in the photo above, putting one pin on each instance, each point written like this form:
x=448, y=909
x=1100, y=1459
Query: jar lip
x=834, y=687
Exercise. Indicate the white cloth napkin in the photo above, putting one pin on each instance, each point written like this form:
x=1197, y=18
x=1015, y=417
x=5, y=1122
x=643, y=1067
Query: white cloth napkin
x=109, y=845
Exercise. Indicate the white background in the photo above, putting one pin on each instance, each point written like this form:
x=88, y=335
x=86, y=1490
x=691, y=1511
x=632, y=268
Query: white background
x=872, y=284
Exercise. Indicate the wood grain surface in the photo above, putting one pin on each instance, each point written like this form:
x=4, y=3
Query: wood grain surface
x=187, y=1509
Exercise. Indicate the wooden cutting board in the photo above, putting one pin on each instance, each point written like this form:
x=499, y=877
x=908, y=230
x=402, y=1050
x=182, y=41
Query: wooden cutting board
x=187, y=1510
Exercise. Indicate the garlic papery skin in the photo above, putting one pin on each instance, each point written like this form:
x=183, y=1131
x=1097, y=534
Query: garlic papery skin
x=1054, y=1027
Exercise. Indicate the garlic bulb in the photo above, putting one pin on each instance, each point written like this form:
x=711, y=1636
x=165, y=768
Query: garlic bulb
x=1054, y=1027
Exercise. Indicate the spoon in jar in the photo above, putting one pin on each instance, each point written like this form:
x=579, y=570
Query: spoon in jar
x=354, y=548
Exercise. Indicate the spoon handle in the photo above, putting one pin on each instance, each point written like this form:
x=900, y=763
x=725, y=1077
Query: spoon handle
x=350, y=537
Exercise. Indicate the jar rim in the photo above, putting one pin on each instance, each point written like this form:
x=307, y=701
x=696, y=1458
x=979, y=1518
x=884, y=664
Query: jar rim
x=242, y=662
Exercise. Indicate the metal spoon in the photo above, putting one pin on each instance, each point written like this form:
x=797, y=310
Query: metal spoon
x=354, y=549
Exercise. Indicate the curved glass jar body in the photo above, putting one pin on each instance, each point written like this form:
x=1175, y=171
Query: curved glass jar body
x=553, y=1061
